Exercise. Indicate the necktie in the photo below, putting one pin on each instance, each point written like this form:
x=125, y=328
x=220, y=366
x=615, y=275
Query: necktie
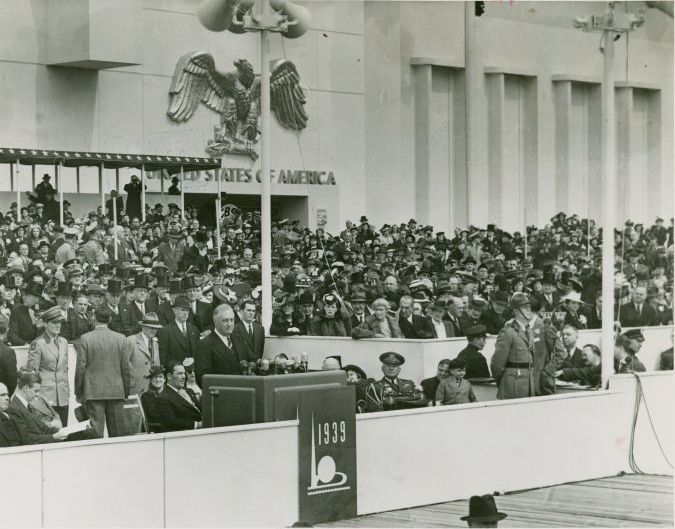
x=229, y=343
x=183, y=329
x=250, y=331
x=151, y=348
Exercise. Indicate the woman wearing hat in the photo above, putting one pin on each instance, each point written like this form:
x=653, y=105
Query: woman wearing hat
x=286, y=321
x=330, y=321
x=48, y=357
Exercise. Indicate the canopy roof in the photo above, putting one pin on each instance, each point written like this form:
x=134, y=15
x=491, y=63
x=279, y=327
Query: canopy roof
x=151, y=162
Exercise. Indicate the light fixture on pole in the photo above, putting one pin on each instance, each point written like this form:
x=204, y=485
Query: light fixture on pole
x=611, y=25
x=244, y=16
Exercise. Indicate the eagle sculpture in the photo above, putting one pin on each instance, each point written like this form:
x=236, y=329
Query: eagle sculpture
x=235, y=96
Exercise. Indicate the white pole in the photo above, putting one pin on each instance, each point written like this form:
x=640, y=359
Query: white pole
x=58, y=168
x=182, y=193
x=114, y=208
x=266, y=191
x=100, y=187
x=471, y=99
x=142, y=192
x=219, y=175
x=608, y=207
x=18, y=192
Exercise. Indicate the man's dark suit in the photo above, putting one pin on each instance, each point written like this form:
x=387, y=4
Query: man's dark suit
x=165, y=313
x=173, y=345
x=169, y=412
x=130, y=315
x=575, y=359
x=630, y=317
x=32, y=430
x=7, y=367
x=21, y=328
x=252, y=346
x=9, y=432
x=449, y=331
x=202, y=318
x=75, y=326
x=420, y=328
x=547, y=306
x=214, y=357
x=429, y=387
x=593, y=318
x=116, y=318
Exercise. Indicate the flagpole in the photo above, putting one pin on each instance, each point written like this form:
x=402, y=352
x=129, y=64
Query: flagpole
x=266, y=188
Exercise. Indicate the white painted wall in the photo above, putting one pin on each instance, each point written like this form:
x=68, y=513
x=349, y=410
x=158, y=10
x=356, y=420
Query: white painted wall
x=247, y=476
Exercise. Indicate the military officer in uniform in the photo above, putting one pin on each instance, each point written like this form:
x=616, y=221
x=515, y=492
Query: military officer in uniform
x=48, y=357
x=391, y=392
x=527, y=354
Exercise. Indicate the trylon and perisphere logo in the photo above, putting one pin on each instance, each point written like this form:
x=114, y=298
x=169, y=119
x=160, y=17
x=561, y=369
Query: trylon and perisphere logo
x=325, y=477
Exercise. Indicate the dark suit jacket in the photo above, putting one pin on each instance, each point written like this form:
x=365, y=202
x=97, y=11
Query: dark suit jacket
x=629, y=316
x=169, y=412
x=449, y=331
x=9, y=432
x=32, y=430
x=174, y=346
x=130, y=315
x=203, y=318
x=75, y=326
x=576, y=359
x=545, y=305
x=165, y=313
x=170, y=257
x=429, y=387
x=7, y=367
x=116, y=320
x=420, y=328
x=214, y=357
x=476, y=364
x=103, y=369
x=252, y=347
x=21, y=329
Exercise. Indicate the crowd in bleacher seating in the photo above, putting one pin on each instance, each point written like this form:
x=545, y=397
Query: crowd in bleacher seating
x=160, y=287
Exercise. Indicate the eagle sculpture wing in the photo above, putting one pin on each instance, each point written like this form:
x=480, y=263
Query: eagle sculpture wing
x=287, y=98
x=197, y=80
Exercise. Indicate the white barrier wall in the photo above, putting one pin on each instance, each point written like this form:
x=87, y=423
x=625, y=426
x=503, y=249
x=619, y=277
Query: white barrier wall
x=422, y=356
x=248, y=475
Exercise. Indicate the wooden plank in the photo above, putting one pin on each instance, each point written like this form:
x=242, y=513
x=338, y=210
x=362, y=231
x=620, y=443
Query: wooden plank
x=619, y=501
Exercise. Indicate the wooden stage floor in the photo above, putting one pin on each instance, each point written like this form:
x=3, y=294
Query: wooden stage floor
x=626, y=501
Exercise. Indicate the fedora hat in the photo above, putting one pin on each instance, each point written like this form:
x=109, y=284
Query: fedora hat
x=519, y=300
x=483, y=509
x=150, y=320
x=572, y=295
x=183, y=302
x=34, y=289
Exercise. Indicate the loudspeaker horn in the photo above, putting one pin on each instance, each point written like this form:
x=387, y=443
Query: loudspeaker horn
x=216, y=15
x=299, y=17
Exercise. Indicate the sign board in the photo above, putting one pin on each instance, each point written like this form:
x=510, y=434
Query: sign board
x=327, y=454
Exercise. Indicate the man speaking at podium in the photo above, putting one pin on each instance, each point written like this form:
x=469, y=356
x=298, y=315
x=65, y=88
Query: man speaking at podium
x=218, y=354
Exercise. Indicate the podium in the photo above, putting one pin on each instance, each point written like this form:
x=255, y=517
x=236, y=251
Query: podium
x=229, y=400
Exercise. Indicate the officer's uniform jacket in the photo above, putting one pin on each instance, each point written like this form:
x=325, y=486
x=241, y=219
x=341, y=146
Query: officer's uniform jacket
x=385, y=387
x=49, y=358
x=538, y=356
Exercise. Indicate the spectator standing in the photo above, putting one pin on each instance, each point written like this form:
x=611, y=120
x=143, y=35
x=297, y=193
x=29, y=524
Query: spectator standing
x=248, y=332
x=637, y=312
x=103, y=375
x=471, y=355
x=454, y=389
x=145, y=351
x=179, y=339
x=216, y=354
x=48, y=357
x=23, y=319
x=133, y=190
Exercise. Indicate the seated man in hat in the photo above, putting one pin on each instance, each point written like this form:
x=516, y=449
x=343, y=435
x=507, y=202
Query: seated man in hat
x=23, y=319
x=412, y=325
x=391, y=392
x=475, y=362
x=634, y=340
x=454, y=389
x=573, y=316
x=472, y=315
x=439, y=327
x=379, y=324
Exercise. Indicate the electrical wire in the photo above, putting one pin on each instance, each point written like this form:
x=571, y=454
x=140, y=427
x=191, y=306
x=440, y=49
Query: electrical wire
x=639, y=398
